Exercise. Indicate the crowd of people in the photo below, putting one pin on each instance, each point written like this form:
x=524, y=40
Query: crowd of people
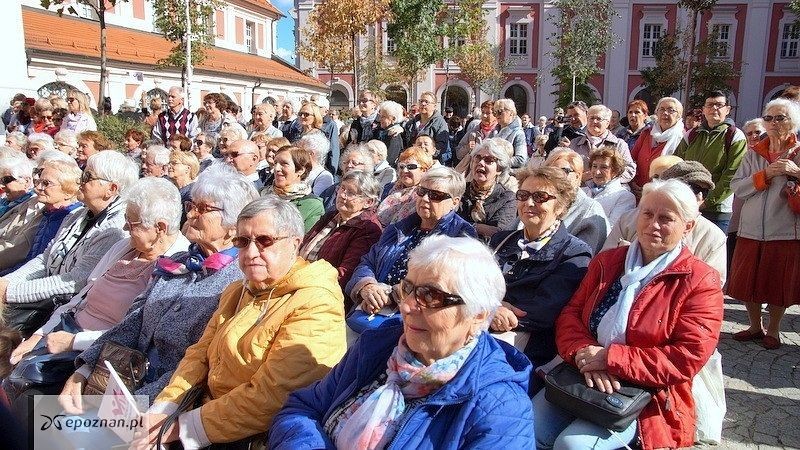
x=405, y=279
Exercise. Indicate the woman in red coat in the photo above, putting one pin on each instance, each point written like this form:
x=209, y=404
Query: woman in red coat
x=648, y=314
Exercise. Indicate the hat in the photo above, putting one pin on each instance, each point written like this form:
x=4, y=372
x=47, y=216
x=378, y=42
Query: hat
x=691, y=173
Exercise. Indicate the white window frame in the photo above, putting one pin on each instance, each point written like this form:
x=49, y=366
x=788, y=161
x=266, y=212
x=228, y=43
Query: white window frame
x=519, y=15
x=725, y=16
x=250, y=36
x=790, y=42
x=387, y=43
x=724, y=39
x=647, y=44
x=785, y=64
x=518, y=45
x=650, y=16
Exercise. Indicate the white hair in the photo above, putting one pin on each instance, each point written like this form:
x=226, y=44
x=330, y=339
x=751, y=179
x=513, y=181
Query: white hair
x=69, y=136
x=17, y=164
x=496, y=149
x=52, y=155
x=377, y=148
x=452, y=181
x=317, y=144
x=114, y=167
x=367, y=184
x=177, y=89
x=160, y=154
x=679, y=105
x=225, y=188
x=41, y=138
x=156, y=199
x=475, y=275
x=758, y=122
x=391, y=108
x=602, y=111
x=679, y=193
x=19, y=137
x=792, y=111
x=285, y=215
x=506, y=103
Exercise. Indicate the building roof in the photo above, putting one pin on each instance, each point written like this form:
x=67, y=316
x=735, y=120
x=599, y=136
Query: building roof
x=264, y=5
x=81, y=37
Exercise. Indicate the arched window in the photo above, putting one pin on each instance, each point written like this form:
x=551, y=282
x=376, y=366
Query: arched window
x=397, y=94
x=646, y=96
x=58, y=88
x=457, y=98
x=339, y=99
x=517, y=94
x=157, y=93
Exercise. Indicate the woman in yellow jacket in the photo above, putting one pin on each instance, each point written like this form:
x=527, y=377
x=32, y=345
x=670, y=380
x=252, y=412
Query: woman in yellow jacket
x=278, y=330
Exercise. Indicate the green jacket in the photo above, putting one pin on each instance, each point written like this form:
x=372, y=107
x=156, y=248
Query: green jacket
x=311, y=209
x=708, y=148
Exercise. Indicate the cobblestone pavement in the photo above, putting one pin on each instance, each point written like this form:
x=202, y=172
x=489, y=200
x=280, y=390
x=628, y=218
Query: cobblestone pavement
x=762, y=387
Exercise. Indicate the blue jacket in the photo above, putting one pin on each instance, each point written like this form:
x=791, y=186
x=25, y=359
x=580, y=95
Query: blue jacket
x=485, y=405
x=380, y=258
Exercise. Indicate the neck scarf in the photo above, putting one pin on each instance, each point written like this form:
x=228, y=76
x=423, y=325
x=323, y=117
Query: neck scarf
x=487, y=128
x=373, y=424
x=532, y=246
x=614, y=323
x=671, y=136
x=292, y=192
x=478, y=213
x=195, y=262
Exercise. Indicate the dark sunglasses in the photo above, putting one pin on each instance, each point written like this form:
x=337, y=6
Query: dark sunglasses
x=262, y=241
x=428, y=297
x=778, y=118
x=303, y=114
x=87, y=177
x=434, y=196
x=201, y=208
x=401, y=167
x=537, y=196
x=7, y=179
x=37, y=171
x=567, y=170
x=234, y=155
x=199, y=142
x=488, y=159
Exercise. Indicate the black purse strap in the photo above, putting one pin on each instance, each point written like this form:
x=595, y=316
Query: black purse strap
x=188, y=401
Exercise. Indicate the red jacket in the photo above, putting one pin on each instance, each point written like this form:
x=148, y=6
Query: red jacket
x=673, y=329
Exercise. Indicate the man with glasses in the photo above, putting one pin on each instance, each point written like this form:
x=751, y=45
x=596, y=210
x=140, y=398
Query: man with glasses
x=569, y=126
x=243, y=156
x=719, y=146
x=598, y=136
x=176, y=119
x=363, y=126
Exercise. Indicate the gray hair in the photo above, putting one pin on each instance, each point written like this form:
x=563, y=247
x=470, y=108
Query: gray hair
x=679, y=193
x=367, y=184
x=757, y=122
x=17, y=164
x=792, y=111
x=495, y=148
x=357, y=149
x=506, y=103
x=453, y=181
x=226, y=188
x=317, y=144
x=160, y=154
x=19, y=137
x=177, y=89
x=672, y=100
x=52, y=155
x=475, y=275
x=377, y=149
x=602, y=111
x=391, y=108
x=41, y=138
x=114, y=167
x=574, y=159
x=210, y=140
x=156, y=199
x=285, y=215
x=69, y=136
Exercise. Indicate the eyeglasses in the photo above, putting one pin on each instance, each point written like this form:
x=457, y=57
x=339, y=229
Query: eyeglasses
x=779, y=118
x=131, y=224
x=262, y=241
x=718, y=105
x=402, y=167
x=497, y=112
x=597, y=119
x=201, y=208
x=754, y=133
x=88, y=177
x=37, y=172
x=428, y=297
x=70, y=99
x=669, y=111
x=234, y=155
x=365, y=100
x=7, y=179
x=199, y=142
x=567, y=170
x=423, y=102
x=43, y=183
x=303, y=114
x=488, y=159
x=434, y=196
x=537, y=196
x=344, y=193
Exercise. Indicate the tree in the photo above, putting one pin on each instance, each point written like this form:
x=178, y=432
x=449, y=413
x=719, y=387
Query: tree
x=666, y=76
x=794, y=7
x=584, y=34
x=100, y=11
x=710, y=72
x=695, y=7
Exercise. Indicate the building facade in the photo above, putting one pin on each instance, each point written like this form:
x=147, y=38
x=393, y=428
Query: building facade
x=758, y=33
x=46, y=54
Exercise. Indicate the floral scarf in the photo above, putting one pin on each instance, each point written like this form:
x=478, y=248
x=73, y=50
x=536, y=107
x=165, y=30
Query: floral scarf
x=195, y=261
x=292, y=192
x=397, y=205
x=372, y=420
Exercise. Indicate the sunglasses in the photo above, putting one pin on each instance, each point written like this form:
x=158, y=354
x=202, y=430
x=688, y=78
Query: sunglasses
x=428, y=297
x=201, y=208
x=434, y=196
x=87, y=177
x=262, y=241
x=402, y=167
x=234, y=155
x=199, y=142
x=43, y=183
x=567, y=170
x=537, y=196
x=70, y=99
x=303, y=114
x=778, y=118
x=488, y=159
x=7, y=179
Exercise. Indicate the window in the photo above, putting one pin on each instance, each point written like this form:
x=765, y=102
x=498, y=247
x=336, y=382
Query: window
x=723, y=33
x=390, y=47
x=518, y=39
x=250, y=36
x=790, y=41
x=651, y=33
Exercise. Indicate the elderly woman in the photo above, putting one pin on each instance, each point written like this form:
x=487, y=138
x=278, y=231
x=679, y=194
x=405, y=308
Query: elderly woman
x=19, y=208
x=318, y=145
x=753, y=130
x=660, y=139
x=542, y=264
x=203, y=147
x=292, y=166
x=430, y=122
x=439, y=355
x=598, y=136
x=263, y=115
x=80, y=117
x=26, y=230
x=90, y=143
x=32, y=291
x=247, y=361
x=152, y=219
x=38, y=143
x=183, y=169
x=310, y=118
x=214, y=104
x=766, y=261
x=674, y=302
x=66, y=142
x=355, y=157
x=383, y=172
x=43, y=117
x=585, y=218
x=487, y=204
x=155, y=162
x=477, y=130
x=637, y=114
x=399, y=199
x=606, y=165
x=437, y=197
x=343, y=236
x=16, y=140
x=16, y=178
x=509, y=127
x=390, y=130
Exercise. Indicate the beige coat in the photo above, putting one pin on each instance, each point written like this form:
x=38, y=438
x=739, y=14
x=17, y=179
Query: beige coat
x=17, y=231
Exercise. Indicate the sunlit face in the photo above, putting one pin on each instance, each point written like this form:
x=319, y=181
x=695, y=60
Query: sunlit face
x=602, y=171
x=211, y=107
x=538, y=217
x=597, y=124
x=286, y=174
x=16, y=187
x=48, y=189
x=270, y=157
x=174, y=144
x=716, y=110
x=487, y=115
x=429, y=210
x=354, y=161
x=131, y=144
x=577, y=117
x=386, y=120
x=174, y=99
x=526, y=119
x=287, y=110
x=409, y=172
x=504, y=115
x=85, y=149
x=426, y=143
x=143, y=238
x=427, y=105
x=667, y=113
x=563, y=164
x=350, y=200
x=614, y=120
x=484, y=167
x=306, y=116
x=366, y=105
x=205, y=229
x=265, y=266
x=263, y=118
x=776, y=129
x=753, y=133
x=65, y=147
x=73, y=105
x=177, y=170
x=636, y=117
x=659, y=225
x=96, y=192
x=150, y=168
x=33, y=149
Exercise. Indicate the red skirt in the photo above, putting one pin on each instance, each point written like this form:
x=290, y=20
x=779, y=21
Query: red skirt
x=766, y=272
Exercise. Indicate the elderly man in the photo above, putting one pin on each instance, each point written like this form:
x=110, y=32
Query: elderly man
x=598, y=136
x=155, y=161
x=176, y=119
x=720, y=147
x=287, y=122
x=361, y=129
x=570, y=127
x=243, y=156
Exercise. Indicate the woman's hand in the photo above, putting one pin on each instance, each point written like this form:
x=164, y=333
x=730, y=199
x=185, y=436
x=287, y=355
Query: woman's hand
x=24, y=348
x=59, y=342
x=591, y=358
x=602, y=381
x=144, y=439
x=506, y=318
x=70, y=397
x=394, y=130
x=782, y=167
x=374, y=297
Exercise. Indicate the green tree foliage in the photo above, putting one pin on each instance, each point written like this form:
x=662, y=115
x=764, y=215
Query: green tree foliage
x=170, y=20
x=417, y=29
x=710, y=72
x=695, y=7
x=794, y=7
x=667, y=75
x=69, y=6
x=114, y=128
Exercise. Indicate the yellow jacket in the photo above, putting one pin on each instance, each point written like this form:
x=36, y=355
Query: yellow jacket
x=259, y=347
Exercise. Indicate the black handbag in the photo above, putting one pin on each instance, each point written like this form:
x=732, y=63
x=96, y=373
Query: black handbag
x=565, y=387
x=28, y=317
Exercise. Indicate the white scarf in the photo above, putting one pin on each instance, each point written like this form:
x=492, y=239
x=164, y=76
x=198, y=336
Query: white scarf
x=671, y=136
x=614, y=324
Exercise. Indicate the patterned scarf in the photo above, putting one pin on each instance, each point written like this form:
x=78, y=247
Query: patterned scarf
x=478, y=213
x=195, y=262
x=292, y=192
x=374, y=418
x=532, y=246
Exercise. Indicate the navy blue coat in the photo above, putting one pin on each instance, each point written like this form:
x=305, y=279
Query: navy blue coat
x=484, y=406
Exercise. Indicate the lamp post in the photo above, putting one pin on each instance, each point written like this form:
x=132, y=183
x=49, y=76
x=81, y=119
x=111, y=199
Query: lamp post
x=188, y=86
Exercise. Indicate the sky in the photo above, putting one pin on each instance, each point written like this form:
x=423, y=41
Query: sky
x=285, y=47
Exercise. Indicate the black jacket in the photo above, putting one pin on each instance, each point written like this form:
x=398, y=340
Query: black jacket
x=500, y=207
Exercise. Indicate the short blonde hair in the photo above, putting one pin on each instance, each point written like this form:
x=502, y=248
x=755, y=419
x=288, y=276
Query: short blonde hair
x=187, y=158
x=315, y=111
